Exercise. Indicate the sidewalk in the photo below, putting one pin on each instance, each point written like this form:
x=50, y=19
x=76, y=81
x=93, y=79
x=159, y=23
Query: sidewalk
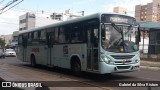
x=150, y=65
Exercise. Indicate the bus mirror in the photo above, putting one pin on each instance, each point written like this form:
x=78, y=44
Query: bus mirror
x=139, y=35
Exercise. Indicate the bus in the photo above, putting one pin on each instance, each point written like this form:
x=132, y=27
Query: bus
x=100, y=43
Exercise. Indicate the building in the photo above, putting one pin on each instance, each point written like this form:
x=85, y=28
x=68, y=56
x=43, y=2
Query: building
x=148, y=12
x=43, y=21
x=7, y=38
x=120, y=10
x=31, y=20
x=67, y=15
x=27, y=21
x=14, y=41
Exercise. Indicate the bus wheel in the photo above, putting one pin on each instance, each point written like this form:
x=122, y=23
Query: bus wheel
x=33, y=61
x=76, y=68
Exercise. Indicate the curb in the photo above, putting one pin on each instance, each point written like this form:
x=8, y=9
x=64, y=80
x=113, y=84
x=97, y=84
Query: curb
x=150, y=68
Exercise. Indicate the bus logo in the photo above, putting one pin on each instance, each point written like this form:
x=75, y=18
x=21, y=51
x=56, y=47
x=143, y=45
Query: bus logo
x=126, y=61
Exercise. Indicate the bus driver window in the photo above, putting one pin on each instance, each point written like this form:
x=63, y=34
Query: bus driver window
x=106, y=37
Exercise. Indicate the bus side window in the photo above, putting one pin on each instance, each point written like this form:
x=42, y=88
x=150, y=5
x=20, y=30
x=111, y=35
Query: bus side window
x=20, y=41
x=77, y=33
x=67, y=30
x=35, y=38
x=56, y=35
x=24, y=40
x=29, y=38
x=62, y=35
x=43, y=36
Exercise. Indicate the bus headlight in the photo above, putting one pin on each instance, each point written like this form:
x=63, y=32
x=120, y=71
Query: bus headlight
x=106, y=59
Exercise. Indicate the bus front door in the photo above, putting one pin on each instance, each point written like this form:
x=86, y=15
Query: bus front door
x=92, y=48
x=49, y=47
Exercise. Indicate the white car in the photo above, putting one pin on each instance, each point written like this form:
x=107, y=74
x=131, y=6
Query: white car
x=10, y=52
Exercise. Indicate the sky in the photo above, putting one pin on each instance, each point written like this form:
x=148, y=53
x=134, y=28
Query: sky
x=9, y=20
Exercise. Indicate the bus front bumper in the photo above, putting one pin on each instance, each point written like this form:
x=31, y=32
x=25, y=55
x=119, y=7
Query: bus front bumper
x=109, y=68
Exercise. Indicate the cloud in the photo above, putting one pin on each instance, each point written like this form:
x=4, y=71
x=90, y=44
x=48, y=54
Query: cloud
x=9, y=22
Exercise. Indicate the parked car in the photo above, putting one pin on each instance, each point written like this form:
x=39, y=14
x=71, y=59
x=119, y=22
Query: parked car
x=2, y=55
x=10, y=52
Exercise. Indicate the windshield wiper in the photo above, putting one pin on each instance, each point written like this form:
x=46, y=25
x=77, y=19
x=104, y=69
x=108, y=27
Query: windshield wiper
x=121, y=32
x=116, y=28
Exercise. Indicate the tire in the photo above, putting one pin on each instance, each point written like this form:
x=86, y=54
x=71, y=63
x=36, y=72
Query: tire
x=76, y=68
x=33, y=61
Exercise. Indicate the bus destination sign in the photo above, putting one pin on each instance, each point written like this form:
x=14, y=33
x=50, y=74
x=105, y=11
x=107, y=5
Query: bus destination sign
x=118, y=19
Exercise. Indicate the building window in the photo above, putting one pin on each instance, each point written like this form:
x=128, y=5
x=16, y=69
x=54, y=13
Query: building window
x=23, y=21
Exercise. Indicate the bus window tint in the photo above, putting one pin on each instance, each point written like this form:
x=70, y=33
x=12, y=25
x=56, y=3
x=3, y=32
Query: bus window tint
x=20, y=41
x=61, y=35
x=77, y=34
x=43, y=36
x=35, y=38
x=67, y=29
x=56, y=35
x=29, y=38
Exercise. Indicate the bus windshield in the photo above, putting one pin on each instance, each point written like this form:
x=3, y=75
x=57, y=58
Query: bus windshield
x=119, y=38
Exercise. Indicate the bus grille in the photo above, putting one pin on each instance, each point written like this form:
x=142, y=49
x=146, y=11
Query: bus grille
x=123, y=67
x=122, y=56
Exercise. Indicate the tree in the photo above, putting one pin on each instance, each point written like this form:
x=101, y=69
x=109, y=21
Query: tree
x=2, y=43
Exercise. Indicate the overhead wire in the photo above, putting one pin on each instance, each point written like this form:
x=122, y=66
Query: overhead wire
x=8, y=4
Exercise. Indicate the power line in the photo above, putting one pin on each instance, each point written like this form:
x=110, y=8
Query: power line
x=9, y=3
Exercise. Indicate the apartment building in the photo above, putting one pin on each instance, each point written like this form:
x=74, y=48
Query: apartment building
x=120, y=10
x=31, y=20
x=27, y=21
x=148, y=12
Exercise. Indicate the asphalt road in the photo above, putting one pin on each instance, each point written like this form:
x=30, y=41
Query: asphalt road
x=94, y=79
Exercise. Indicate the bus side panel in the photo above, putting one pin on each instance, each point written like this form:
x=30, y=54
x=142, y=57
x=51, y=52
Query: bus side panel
x=61, y=57
x=40, y=53
x=58, y=58
x=28, y=53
